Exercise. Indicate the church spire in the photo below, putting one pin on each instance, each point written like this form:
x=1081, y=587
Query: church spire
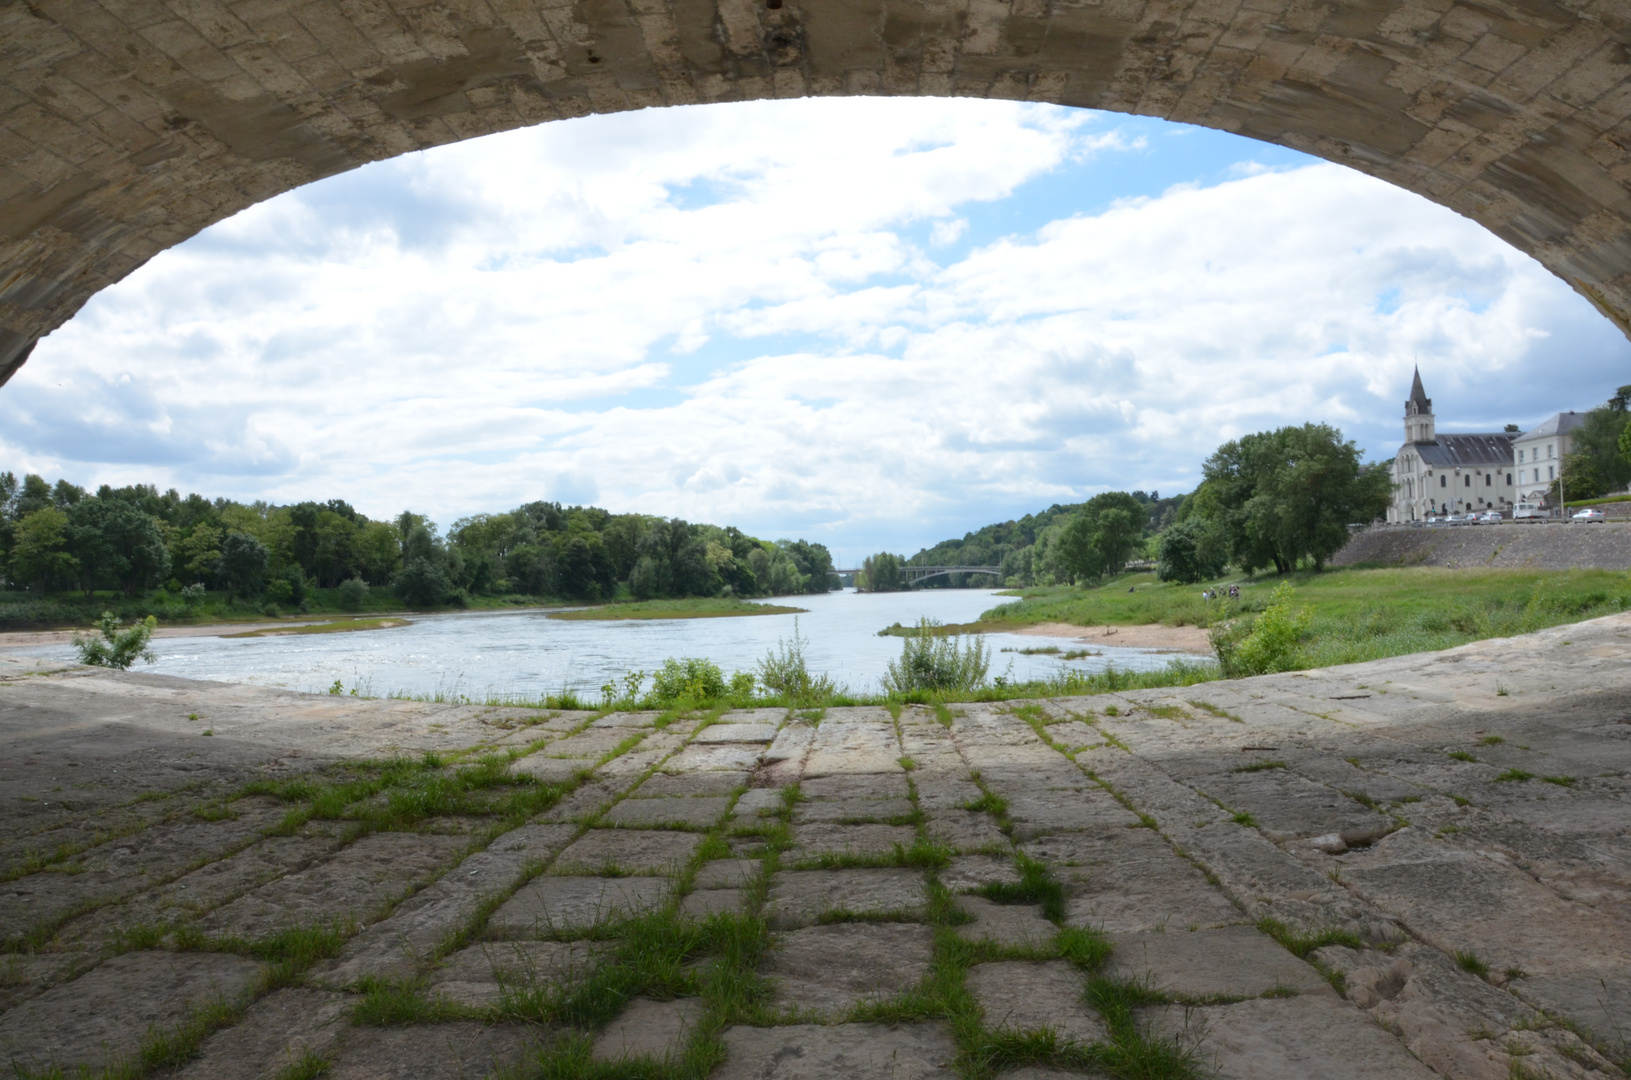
x=1418, y=413
x=1418, y=396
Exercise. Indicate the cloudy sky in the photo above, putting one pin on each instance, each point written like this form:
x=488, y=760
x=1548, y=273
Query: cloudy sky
x=873, y=323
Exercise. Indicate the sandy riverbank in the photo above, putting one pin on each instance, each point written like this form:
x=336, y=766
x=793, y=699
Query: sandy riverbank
x=23, y=639
x=1189, y=639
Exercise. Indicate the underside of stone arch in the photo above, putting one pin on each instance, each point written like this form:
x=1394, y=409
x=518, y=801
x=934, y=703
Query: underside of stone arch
x=127, y=126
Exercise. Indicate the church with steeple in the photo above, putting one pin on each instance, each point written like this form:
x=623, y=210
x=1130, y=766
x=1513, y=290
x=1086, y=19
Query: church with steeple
x=1437, y=474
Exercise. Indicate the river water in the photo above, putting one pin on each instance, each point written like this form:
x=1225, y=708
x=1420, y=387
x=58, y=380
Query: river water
x=527, y=654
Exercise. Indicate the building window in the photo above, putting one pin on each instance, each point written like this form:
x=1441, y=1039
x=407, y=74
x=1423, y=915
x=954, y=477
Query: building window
x=1443, y=481
x=1551, y=450
x=1466, y=481
x=1520, y=457
x=1509, y=479
x=1551, y=472
x=1487, y=480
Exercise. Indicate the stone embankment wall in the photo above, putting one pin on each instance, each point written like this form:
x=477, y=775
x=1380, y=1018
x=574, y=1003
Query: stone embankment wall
x=1554, y=546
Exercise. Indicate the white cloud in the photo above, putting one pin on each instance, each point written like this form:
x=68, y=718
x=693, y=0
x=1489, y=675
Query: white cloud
x=739, y=314
x=948, y=232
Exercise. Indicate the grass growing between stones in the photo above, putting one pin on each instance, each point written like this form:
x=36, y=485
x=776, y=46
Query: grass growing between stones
x=659, y=954
x=1301, y=944
x=1130, y=1053
x=401, y=794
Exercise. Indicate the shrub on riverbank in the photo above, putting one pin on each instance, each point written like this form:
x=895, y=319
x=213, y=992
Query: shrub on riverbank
x=937, y=663
x=118, y=647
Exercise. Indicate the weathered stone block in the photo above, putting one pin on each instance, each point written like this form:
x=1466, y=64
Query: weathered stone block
x=697, y=813
x=630, y=851
x=850, y=811
x=664, y=784
x=730, y=757
x=1288, y=1039
x=963, y=830
x=479, y=976
x=1231, y=961
x=462, y=1051
x=827, y=969
x=101, y=1017
x=549, y=905
x=1128, y=880
x=969, y=872
x=654, y=1030
x=840, y=1052
x=1017, y=926
x=354, y=884
x=393, y=947
x=800, y=897
x=550, y=770
x=885, y=785
x=810, y=841
x=1025, y=996
x=273, y=1035
x=728, y=873
x=716, y=734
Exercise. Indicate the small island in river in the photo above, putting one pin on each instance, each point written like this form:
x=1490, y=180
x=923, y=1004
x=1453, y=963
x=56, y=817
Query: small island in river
x=696, y=607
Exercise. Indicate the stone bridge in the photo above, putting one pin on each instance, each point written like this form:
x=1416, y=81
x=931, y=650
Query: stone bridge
x=127, y=126
x=915, y=574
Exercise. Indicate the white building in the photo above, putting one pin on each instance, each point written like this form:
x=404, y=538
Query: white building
x=1540, y=454
x=1449, y=474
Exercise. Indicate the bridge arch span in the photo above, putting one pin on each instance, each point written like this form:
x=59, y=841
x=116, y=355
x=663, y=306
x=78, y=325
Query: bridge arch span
x=989, y=571
x=129, y=125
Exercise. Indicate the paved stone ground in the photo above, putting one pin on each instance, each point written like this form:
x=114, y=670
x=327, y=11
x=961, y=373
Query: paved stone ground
x=1407, y=868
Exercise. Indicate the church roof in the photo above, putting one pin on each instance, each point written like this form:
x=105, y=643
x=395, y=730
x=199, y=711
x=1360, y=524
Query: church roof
x=1563, y=421
x=1463, y=451
x=1418, y=395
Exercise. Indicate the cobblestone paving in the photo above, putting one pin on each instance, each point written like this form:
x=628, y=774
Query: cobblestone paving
x=1407, y=868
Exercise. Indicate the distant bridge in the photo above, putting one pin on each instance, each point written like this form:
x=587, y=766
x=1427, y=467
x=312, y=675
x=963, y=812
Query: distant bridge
x=914, y=574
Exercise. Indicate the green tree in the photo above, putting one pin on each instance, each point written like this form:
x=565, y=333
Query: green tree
x=1098, y=538
x=1279, y=497
x=116, y=545
x=1189, y=552
x=881, y=573
x=1581, y=479
x=378, y=552
x=1594, y=452
x=243, y=563
x=39, y=554
x=197, y=556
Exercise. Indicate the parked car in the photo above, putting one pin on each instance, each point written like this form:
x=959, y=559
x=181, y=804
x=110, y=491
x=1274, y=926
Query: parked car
x=1491, y=517
x=1590, y=513
x=1457, y=519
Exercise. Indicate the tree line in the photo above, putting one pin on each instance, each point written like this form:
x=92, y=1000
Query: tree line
x=61, y=538
x=1271, y=500
x=1063, y=544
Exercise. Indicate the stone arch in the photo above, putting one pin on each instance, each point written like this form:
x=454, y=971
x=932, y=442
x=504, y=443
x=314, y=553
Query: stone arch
x=129, y=125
